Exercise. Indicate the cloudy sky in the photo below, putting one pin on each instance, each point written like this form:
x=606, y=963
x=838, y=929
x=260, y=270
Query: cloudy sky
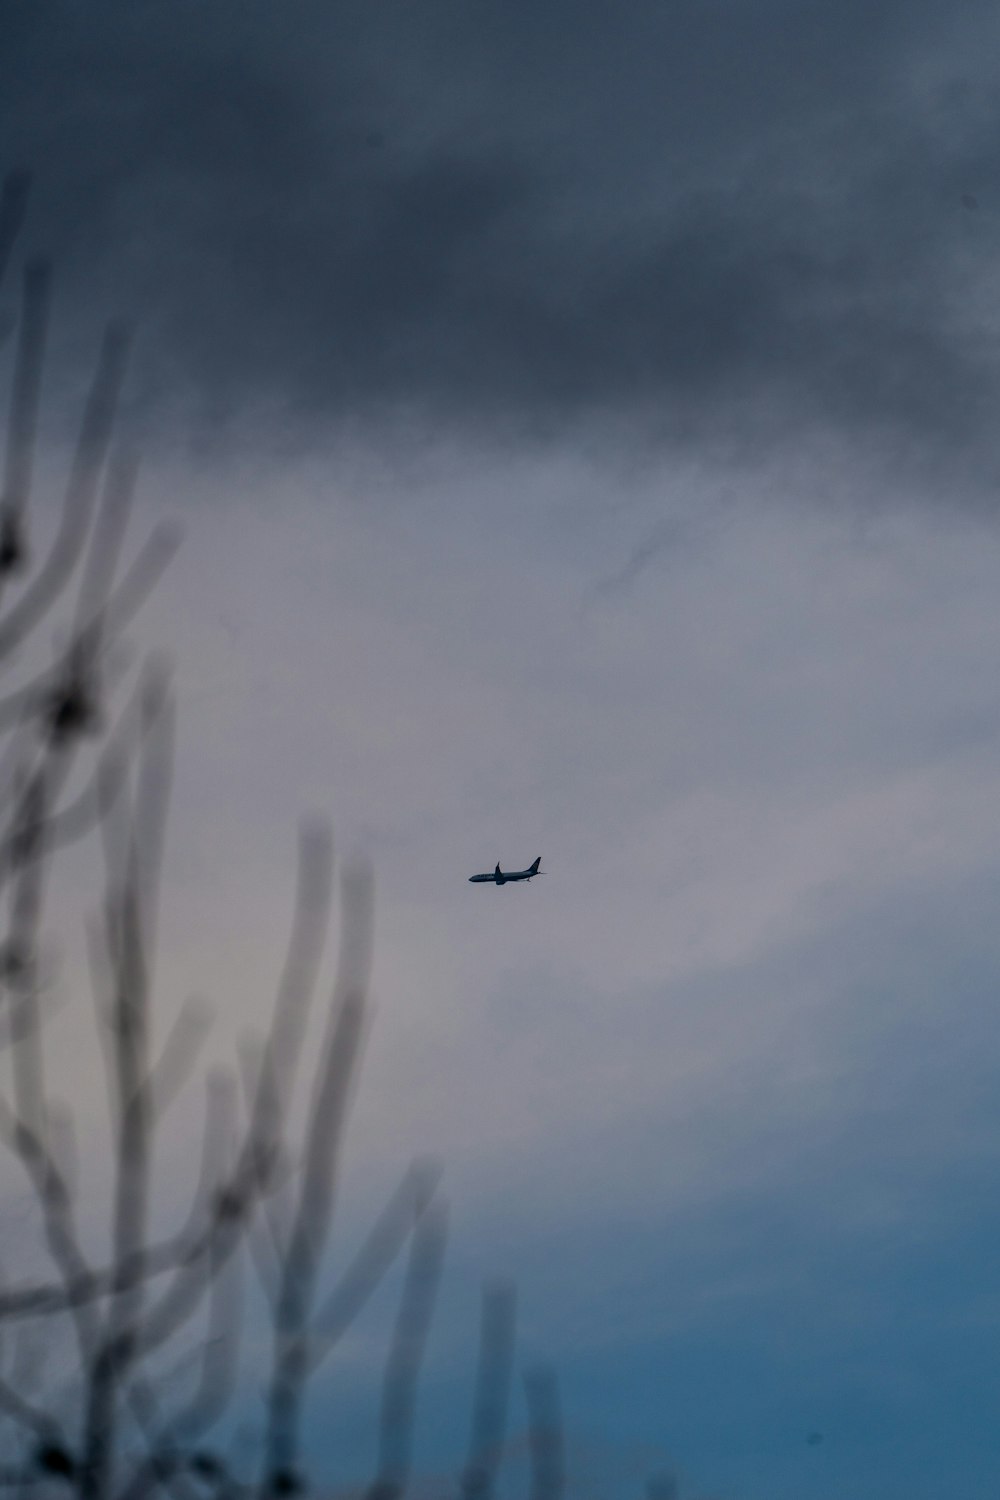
x=583, y=424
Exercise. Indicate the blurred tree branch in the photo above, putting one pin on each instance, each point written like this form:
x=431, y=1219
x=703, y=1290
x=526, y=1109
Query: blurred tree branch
x=145, y=1298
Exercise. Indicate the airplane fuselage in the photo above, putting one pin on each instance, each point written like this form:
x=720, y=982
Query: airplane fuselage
x=502, y=877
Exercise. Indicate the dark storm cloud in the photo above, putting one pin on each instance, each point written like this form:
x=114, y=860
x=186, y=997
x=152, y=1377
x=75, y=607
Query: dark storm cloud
x=536, y=212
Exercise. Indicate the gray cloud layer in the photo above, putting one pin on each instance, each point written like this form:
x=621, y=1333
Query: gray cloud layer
x=705, y=216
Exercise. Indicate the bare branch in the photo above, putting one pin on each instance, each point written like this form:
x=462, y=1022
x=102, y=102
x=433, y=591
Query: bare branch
x=179, y=1053
x=219, y=1353
x=98, y=799
x=57, y=1214
x=402, y=1372
x=118, y=1343
x=22, y=424
x=31, y=1417
x=311, y=1225
x=92, y=447
x=383, y=1244
x=545, y=1435
x=106, y=542
x=297, y=985
x=492, y=1391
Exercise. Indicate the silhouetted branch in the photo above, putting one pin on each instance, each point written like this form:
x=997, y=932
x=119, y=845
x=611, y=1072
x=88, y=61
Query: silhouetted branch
x=137, y=583
x=402, y=1371
x=97, y=799
x=179, y=1053
x=172, y=1440
x=118, y=1341
x=312, y=1218
x=33, y=1418
x=105, y=546
x=297, y=985
x=129, y=1435
x=171, y=1446
x=492, y=1391
x=22, y=427
x=382, y=1245
x=57, y=1215
x=91, y=451
x=545, y=1435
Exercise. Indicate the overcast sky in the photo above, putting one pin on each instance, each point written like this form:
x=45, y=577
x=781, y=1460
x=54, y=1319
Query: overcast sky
x=583, y=421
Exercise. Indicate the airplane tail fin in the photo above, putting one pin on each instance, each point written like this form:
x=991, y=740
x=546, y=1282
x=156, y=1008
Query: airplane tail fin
x=534, y=867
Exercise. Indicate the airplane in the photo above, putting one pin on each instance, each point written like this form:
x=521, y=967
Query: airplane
x=498, y=878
